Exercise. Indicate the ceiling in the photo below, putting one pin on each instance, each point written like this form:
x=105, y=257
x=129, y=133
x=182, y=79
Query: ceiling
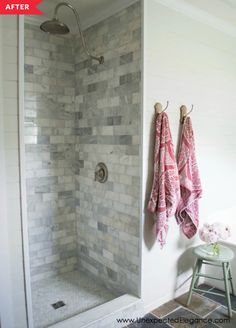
x=221, y=12
x=221, y=9
x=90, y=11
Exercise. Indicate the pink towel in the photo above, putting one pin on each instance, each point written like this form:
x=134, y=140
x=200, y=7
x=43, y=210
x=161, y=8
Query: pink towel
x=165, y=192
x=187, y=213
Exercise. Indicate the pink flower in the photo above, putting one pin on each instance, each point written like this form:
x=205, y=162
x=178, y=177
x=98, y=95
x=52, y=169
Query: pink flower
x=213, y=237
x=212, y=233
x=224, y=233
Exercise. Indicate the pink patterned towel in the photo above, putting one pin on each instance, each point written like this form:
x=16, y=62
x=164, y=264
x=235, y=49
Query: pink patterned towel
x=187, y=213
x=165, y=192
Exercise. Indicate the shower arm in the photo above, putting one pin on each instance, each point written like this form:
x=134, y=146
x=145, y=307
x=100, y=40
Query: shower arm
x=99, y=59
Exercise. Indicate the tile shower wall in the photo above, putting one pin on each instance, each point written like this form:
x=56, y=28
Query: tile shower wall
x=50, y=152
x=108, y=119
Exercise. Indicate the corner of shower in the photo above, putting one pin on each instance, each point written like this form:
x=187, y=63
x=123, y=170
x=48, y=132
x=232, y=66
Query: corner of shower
x=80, y=169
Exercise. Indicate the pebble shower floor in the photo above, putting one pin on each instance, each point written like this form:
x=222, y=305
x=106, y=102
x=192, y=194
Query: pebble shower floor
x=78, y=291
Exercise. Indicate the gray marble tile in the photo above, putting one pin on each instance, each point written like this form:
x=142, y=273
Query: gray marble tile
x=76, y=105
x=127, y=58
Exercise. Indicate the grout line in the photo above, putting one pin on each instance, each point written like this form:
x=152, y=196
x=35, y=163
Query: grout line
x=218, y=306
x=216, y=301
x=167, y=313
x=179, y=307
x=190, y=310
x=212, y=301
x=168, y=324
x=203, y=296
x=217, y=325
x=224, y=306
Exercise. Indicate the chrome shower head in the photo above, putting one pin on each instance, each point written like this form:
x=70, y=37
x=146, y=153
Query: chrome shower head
x=54, y=26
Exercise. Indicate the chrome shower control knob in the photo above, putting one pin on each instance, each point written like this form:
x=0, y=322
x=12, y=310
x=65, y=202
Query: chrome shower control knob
x=101, y=173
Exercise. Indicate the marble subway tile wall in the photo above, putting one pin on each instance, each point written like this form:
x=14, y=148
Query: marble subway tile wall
x=108, y=122
x=50, y=152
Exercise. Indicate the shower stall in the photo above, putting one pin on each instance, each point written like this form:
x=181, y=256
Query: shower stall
x=82, y=131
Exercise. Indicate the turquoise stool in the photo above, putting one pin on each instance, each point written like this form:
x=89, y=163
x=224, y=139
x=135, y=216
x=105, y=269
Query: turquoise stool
x=221, y=260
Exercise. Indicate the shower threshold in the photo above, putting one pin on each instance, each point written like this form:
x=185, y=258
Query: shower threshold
x=58, y=298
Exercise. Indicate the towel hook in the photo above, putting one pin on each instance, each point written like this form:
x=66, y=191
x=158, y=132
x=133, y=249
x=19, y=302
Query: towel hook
x=184, y=112
x=158, y=107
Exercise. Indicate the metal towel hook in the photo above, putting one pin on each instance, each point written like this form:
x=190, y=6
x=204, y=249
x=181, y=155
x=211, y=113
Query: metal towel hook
x=190, y=110
x=184, y=112
x=158, y=108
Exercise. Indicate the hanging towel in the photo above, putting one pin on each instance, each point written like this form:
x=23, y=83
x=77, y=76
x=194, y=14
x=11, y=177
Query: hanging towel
x=187, y=213
x=165, y=193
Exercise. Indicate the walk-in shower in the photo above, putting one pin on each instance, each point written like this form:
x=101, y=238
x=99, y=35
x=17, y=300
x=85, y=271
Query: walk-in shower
x=82, y=160
x=55, y=26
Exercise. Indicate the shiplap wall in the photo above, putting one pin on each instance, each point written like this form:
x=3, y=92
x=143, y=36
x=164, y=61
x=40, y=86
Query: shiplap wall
x=13, y=314
x=187, y=62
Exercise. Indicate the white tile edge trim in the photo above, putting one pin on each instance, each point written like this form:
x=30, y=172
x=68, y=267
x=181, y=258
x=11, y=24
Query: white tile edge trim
x=103, y=311
x=23, y=199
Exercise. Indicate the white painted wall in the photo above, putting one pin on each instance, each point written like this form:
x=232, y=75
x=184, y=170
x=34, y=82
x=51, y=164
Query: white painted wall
x=12, y=298
x=6, y=302
x=188, y=62
x=185, y=62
